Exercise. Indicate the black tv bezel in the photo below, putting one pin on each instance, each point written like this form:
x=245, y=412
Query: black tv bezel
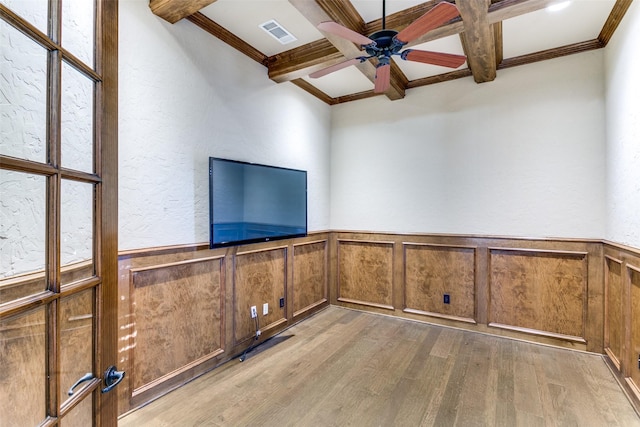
x=213, y=245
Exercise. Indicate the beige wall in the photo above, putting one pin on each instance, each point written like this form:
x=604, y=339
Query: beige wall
x=520, y=156
x=185, y=96
x=623, y=131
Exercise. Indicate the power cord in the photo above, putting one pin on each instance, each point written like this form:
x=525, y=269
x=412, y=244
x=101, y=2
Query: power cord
x=256, y=338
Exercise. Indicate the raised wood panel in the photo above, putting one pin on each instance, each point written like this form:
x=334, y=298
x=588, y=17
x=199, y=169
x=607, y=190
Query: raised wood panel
x=539, y=291
x=177, y=315
x=633, y=274
x=365, y=273
x=23, y=362
x=309, y=276
x=260, y=277
x=76, y=339
x=614, y=326
x=434, y=270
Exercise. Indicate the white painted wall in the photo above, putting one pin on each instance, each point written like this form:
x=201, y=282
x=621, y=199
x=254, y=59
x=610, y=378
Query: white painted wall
x=523, y=155
x=623, y=131
x=185, y=96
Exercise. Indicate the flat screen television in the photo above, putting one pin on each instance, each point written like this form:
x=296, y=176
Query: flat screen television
x=250, y=202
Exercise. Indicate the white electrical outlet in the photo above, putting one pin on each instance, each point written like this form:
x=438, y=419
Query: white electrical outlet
x=265, y=308
x=254, y=312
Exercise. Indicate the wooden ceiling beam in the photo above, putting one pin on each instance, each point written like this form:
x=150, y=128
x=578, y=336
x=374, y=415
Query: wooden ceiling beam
x=174, y=10
x=616, y=15
x=302, y=61
x=478, y=39
x=226, y=36
x=315, y=13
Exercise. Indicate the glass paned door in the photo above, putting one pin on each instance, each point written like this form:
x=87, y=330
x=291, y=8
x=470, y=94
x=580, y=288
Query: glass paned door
x=58, y=250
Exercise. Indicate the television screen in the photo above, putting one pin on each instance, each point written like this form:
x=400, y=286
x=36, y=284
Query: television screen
x=255, y=203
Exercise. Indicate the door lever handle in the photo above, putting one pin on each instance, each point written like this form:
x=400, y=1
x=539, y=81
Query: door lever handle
x=86, y=377
x=112, y=378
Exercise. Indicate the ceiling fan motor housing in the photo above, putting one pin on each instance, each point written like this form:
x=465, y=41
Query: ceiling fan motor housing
x=385, y=44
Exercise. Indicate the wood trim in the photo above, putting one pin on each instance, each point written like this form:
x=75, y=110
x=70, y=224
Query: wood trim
x=636, y=392
x=270, y=248
x=106, y=64
x=27, y=166
x=527, y=251
x=308, y=87
x=310, y=307
x=550, y=54
x=174, y=10
x=302, y=61
x=439, y=78
x=367, y=303
x=617, y=13
x=441, y=316
x=530, y=331
x=167, y=377
x=135, y=270
x=631, y=250
x=613, y=358
x=227, y=37
x=162, y=250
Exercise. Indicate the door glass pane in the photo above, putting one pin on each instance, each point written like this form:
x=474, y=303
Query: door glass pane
x=34, y=11
x=76, y=120
x=23, y=386
x=23, y=96
x=80, y=416
x=76, y=230
x=22, y=234
x=76, y=340
x=77, y=28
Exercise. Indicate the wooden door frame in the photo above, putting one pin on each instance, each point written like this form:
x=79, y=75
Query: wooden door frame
x=107, y=105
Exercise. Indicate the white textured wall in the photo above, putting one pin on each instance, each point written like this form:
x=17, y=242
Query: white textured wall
x=185, y=96
x=623, y=131
x=520, y=156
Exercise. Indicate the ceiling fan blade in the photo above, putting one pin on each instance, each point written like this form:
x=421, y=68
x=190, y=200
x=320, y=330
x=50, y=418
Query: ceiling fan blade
x=344, y=32
x=336, y=67
x=438, y=15
x=383, y=78
x=434, y=58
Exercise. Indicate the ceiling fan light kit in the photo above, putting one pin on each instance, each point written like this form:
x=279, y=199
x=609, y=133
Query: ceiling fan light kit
x=385, y=43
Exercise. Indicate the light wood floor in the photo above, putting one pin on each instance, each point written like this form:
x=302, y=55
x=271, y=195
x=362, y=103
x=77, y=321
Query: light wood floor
x=347, y=368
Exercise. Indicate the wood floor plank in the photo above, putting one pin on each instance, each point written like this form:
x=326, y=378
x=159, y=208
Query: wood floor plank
x=342, y=367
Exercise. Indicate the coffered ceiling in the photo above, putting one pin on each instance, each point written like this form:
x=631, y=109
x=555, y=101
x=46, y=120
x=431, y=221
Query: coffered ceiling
x=493, y=34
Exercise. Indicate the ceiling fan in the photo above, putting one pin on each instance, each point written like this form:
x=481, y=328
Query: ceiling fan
x=385, y=43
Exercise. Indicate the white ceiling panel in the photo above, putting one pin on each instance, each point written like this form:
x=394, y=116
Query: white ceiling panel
x=243, y=18
x=343, y=82
x=545, y=29
x=370, y=10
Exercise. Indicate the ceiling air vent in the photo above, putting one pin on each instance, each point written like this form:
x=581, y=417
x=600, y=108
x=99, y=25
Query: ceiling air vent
x=278, y=32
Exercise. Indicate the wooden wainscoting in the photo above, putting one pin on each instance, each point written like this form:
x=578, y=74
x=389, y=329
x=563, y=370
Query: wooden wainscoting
x=544, y=290
x=177, y=311
x=613, y=309
x=622, y=315
x=310, y=276
x=259, y=278
x=365, y=273
x=433, y=271
x=185, y=310
x=538, y=291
